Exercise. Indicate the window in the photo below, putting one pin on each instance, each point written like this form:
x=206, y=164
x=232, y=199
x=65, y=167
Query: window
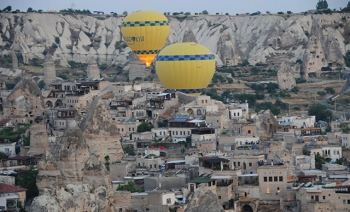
x=234, y=163
x=312, y=197
x=281, y=179
x=239, y=163
x=324, y=197
x=219, y=197
x=250, y=164
x=270, y=179
x=168, y=201
x=275, y=179
x=150, y=166
x=344, y=201
x=348, y=201
x=265, y=179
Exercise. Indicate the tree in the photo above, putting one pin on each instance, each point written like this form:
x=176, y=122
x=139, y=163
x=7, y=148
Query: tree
x=347, y=8
x=321, y=93
x=320, y=111
x=267, y=105
x=144, y=127
x=322, y=5
x=319, y=160
x=129, y=187
x=8, y=8
x=205, y=12
x=129, y=149
x=41, y=84
x=30, y=10
x=295, y=89
x=245, y=63
x=271, y=87
x=27, y=179
x=125, y=13
x=347, y=58
x=330, y=90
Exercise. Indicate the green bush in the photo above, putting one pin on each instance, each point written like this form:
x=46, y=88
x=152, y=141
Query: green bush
x=295, y=89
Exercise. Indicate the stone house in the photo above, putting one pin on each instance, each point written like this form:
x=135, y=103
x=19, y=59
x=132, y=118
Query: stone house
x=317, y=198
x=248, y=164
x=8, y=148
x=60, y=118
x=345, y=140
x=202, y=135
x=10, y=195
x=272, y=182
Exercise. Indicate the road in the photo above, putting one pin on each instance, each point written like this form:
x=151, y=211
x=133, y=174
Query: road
x=343, y=90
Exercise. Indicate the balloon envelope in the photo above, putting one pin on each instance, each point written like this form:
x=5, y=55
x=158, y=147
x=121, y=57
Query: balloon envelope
x=186, y=67
x=146, y=33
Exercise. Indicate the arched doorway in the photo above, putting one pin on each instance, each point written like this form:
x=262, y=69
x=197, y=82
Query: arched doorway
x=190, y=111
x=48, y=104
x=58, y=103
x=247, y=208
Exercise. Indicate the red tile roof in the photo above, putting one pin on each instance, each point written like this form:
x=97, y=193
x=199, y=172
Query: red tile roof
x=3, y=122
x=6, y=188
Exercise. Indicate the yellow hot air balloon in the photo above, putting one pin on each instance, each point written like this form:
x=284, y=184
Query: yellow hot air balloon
x=146, y=33
x=186, y=67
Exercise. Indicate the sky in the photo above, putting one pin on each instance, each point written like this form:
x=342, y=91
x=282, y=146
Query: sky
x=193, y=6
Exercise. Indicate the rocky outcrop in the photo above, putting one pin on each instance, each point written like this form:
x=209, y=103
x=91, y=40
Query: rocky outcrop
x=314, y=58
x=73, y=175
x=204, y=200
x=64, y=163
x=266, y=124
x=14, y=60
x=24, y=103
x=285, y=77
x=80, y=198
x=101, y=133
x=258, y=39
x=93, y=72
x=38, y=140
x=49, y=70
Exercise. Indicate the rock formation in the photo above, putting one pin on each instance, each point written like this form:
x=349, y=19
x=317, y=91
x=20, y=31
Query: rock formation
x=137, y=68
x=14, y=60
x=204, y=200
x=101, y=133
x=285, y=77
x=24, y=103
x=314, y=58
x=259, y=39
x=49, y=69
x=189, y=37
x=38, y=140
x=73, y=178
x=93, y=72
x=265, y=124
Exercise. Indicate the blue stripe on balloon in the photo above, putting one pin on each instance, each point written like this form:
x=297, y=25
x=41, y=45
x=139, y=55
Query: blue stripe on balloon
x=185, y=57
x=190, y=90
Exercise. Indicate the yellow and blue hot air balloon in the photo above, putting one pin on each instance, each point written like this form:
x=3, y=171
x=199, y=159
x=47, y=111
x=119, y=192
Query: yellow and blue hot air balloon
x=186, y=67
x=146, y=33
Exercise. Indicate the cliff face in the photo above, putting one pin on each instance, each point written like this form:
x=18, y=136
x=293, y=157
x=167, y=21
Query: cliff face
x=72, y=175
x=101, y=133
x=259, y=39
